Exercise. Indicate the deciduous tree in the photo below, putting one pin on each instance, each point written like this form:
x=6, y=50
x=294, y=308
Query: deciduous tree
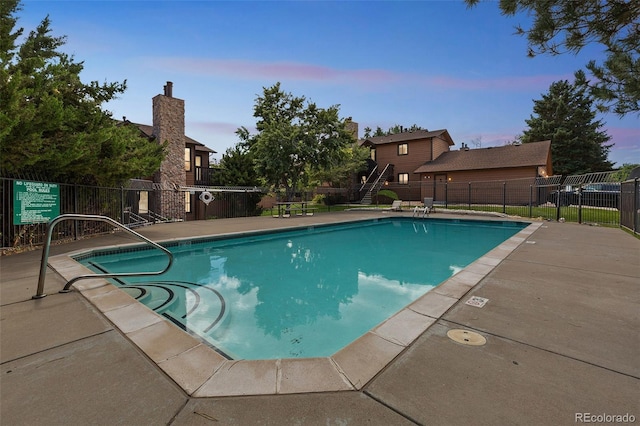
x=344, y=173
x=294, y=137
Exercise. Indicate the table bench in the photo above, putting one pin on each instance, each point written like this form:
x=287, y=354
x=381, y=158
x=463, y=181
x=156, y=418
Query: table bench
x=293, y=208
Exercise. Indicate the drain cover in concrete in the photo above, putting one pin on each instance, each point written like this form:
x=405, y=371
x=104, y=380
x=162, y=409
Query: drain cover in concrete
x=466, y=337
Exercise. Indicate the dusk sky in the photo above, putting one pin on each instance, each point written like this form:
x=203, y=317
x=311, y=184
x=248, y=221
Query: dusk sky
x=436, y=64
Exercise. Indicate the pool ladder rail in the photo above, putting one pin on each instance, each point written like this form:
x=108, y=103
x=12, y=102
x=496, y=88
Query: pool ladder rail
x=86, y=217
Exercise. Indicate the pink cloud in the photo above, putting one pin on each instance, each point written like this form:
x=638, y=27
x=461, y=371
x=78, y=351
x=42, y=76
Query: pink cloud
x=624, y=137
x=214, y=126
x=273, y=70
x=318, y=73
x=503, y=83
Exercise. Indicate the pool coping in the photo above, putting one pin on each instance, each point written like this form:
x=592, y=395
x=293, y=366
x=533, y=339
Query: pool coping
x=202, y=372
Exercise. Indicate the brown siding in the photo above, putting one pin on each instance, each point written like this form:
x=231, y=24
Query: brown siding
x=481, y=186
x=492, y=174
x=440, y=146
x=549, y=167
x=419, y=152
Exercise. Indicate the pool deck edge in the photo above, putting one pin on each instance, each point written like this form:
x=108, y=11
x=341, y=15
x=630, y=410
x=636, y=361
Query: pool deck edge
x=353, y=366
x=561, y=326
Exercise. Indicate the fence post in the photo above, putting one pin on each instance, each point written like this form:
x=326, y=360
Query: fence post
x=122, y=204
x=75, y=210
x=530, y=200
x=434, y=189
x=636, y=206
x=469, y=200
x=446, y=195
x=558, y=203
x=504, y=197
x=580, y=203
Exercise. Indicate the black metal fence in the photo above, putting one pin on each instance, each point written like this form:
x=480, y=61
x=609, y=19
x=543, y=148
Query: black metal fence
x=593, y=198
x=133, y=206
x=630, y=205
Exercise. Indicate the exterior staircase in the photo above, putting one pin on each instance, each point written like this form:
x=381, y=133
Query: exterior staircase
x=374, y=182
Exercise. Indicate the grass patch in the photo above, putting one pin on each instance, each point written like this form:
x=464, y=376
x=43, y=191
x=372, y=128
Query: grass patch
x=569, y=213
x=602, y=216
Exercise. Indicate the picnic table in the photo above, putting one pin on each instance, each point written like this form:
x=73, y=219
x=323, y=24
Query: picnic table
x=297, y=208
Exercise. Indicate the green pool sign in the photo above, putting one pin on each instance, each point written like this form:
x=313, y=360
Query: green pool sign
x=35, y=202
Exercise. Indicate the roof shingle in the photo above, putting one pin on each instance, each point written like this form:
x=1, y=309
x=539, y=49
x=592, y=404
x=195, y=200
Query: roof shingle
x=148, y=131
x=409, y=136
x=528, y=154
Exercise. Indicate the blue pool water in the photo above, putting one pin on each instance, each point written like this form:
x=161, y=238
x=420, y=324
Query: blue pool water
x=302, y=293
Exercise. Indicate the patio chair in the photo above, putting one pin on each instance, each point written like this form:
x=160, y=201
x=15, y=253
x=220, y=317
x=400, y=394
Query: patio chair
x=396, y=206
x=426, y=209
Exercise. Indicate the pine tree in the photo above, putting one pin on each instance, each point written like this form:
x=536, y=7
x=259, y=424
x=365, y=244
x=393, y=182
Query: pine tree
x=565, y=116
x=51, y=124
x=391, y=131
x=567, y=26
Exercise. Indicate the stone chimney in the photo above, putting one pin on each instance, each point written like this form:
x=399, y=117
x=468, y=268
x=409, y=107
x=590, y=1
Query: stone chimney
x=168, y=126
x=352, y=127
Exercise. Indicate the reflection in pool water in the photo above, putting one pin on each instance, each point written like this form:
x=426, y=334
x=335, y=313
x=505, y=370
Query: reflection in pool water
x=305, y=293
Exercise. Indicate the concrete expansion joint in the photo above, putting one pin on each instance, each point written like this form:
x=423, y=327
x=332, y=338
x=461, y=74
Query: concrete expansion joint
x=390, y=407
x=545, y=350
x=342, y=373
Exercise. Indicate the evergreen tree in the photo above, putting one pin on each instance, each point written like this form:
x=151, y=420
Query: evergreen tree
x=560, y=26
x=236, y=168
x=565, y=116
x=52, y=124
x=391, y=131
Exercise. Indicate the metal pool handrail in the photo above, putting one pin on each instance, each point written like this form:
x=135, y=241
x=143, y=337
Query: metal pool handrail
x=45, y=252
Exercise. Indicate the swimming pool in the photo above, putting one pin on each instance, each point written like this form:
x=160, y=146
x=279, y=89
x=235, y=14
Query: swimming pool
x=302, y=293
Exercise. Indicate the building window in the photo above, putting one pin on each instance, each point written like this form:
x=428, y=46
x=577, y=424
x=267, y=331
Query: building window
x=187, y=159
x=143, y=203
x=403, y=149
x=373, y=154
x=403, y=178
x=187, y=202
x=198, y=168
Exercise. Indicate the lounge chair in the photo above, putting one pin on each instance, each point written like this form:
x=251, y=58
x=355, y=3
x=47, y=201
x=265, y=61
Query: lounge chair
x=396, y=206
x=426, y=209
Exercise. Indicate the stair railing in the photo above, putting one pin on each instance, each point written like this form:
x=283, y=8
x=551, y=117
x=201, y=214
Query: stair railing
x=86, y=217
x=368, y=178
x=382, y=175
x=380, y=180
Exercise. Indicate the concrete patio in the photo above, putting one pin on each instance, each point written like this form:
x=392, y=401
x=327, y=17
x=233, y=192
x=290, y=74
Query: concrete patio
x=562, y=330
